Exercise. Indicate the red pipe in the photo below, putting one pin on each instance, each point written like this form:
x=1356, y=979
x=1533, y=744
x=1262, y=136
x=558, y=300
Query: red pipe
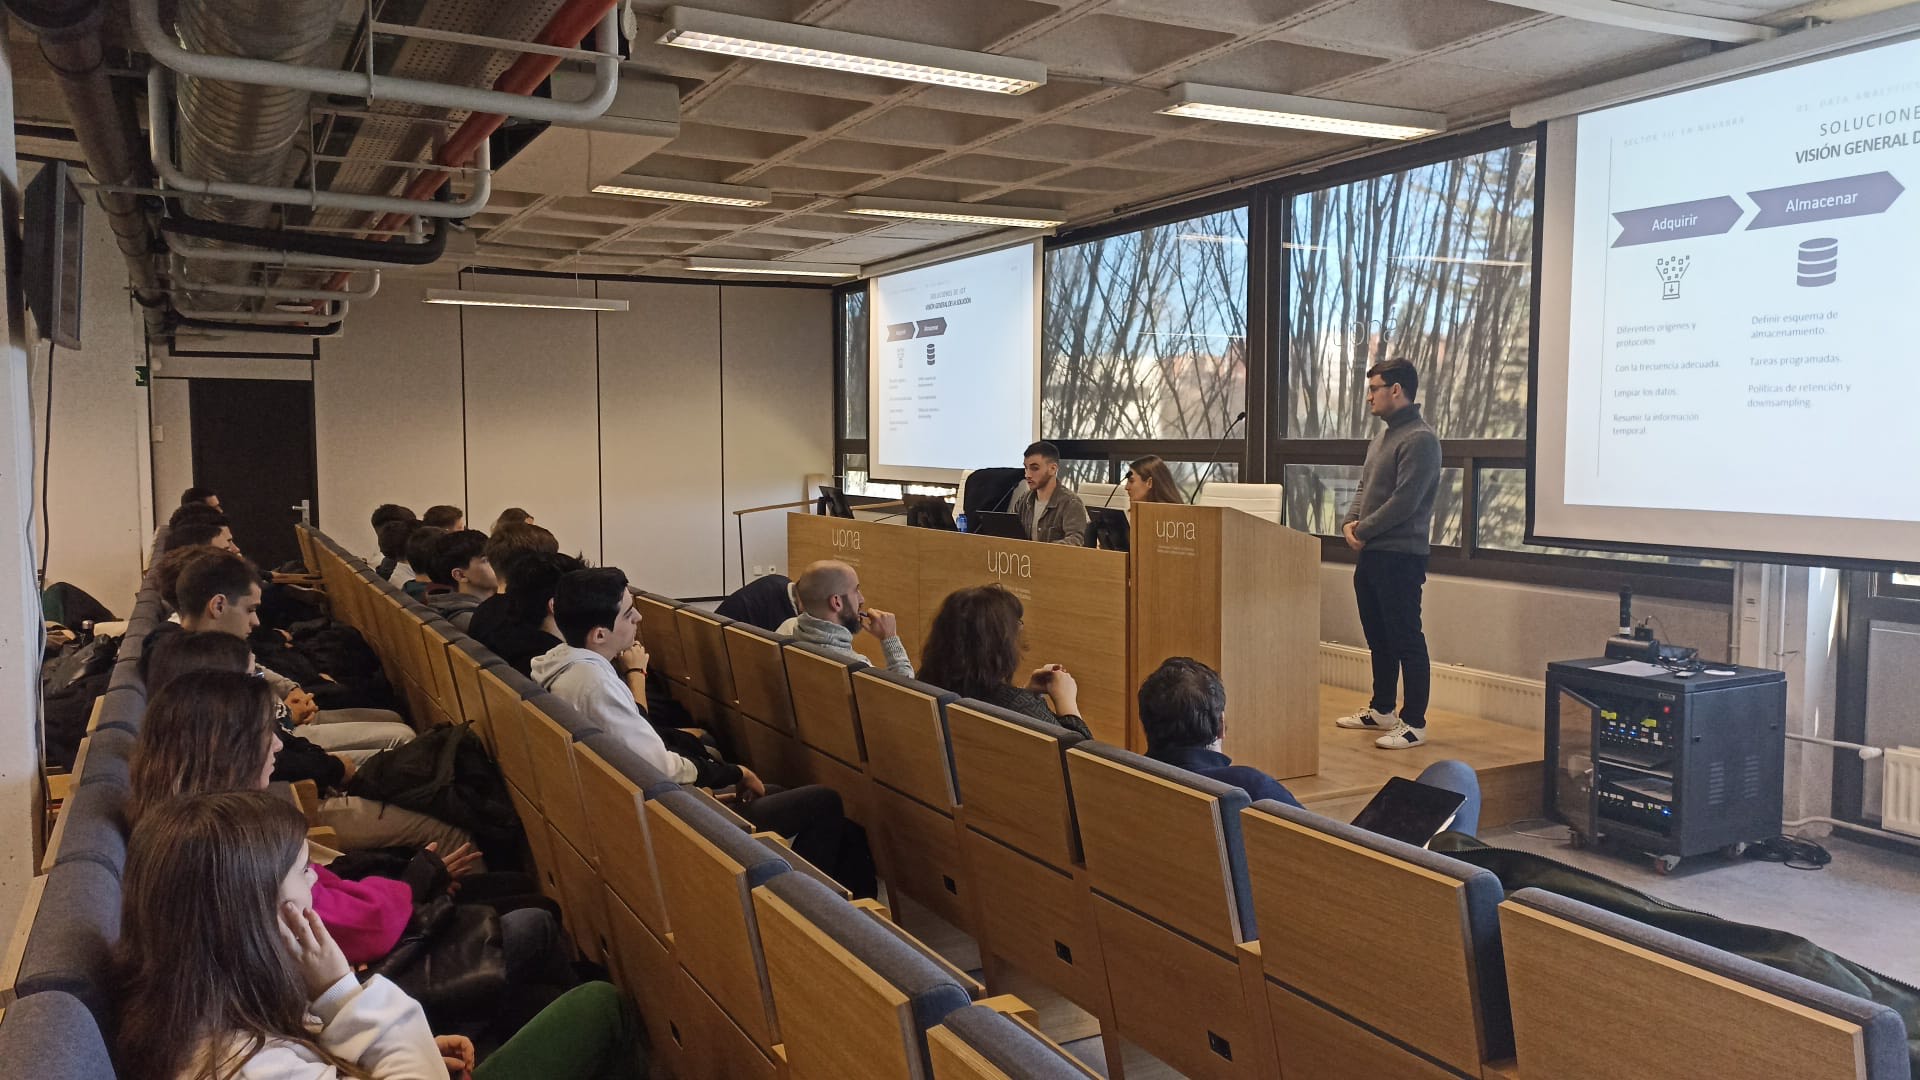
x=570, y=24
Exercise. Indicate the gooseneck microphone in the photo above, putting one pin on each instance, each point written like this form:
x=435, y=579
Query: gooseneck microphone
x=1207, y=473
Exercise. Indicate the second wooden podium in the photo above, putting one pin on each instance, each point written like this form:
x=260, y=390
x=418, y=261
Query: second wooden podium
x=1242, y=595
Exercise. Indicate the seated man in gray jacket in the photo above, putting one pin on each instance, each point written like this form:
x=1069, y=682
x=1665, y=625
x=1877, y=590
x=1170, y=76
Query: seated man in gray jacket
x=832, y=608
x=1047, y=510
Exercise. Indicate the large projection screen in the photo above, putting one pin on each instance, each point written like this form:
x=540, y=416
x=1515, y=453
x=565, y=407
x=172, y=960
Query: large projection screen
x=954, y=366
x=1729, y=276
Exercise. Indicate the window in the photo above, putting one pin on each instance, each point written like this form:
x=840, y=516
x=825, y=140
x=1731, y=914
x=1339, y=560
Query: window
x=1318, y=497
x=1432, y=264
x=1144, y=334
x=853, y=364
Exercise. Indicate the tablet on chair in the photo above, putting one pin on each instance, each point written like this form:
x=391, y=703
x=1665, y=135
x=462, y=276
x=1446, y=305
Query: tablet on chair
x=1409, y=811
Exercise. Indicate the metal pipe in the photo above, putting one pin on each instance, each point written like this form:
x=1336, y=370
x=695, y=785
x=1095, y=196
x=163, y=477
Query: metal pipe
x=275, y=292
x=265, y=318
x=522, y=77
x=327, y=331
x=160, y=150
x=69, y=33
x=392, y=252
x=1867, y=753
x=295, y=260
x=1884, y=834
x=365, y=85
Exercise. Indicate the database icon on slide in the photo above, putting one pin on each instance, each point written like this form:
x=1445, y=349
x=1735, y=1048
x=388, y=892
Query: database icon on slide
x=1819, y=262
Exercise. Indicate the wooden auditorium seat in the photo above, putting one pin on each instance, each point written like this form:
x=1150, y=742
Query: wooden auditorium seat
x=765, y=737
x=1170, y=897
x=827, y=725
x=904, y=725
x=660, y=633
x=979, y=1043
x=1379, y=958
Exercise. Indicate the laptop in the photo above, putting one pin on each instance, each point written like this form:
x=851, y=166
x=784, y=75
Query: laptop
x=989, y=523
x=1410, y=812
x=1108, y=528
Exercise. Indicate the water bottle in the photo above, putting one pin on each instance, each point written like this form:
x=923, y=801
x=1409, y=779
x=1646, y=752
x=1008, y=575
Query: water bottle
x=960, y=522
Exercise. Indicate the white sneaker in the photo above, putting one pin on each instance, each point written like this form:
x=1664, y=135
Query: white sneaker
x=1367, y=718
x=1401, y=737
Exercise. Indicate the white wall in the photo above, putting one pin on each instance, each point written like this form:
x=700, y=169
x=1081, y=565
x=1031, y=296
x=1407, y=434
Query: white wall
x=96, y=525
x=630, y=434
x=1517, y=629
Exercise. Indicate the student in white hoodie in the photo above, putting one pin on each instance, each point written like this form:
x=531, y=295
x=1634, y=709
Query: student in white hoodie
x=224, y=972
x=601, y=670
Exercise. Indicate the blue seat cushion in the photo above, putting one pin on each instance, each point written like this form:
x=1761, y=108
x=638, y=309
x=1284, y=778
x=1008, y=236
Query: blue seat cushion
x=96, y=828
x=577, y=724
x=72, y=936
x=124, y=708
x=52, y=1036
x=616, y=753
x=1231, y=799
x=930, y=991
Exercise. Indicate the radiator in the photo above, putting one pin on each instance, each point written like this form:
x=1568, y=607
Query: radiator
x=1488, y=695
x=1900, y=790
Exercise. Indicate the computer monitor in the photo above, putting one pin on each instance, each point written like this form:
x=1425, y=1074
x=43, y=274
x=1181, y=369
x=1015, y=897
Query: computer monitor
x=1107, y=528
x=1409, y=811
x=832, y=503
x=988, y=523
x=929, y=511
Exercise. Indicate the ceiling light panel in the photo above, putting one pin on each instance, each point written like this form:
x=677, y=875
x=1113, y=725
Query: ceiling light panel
x=1017, y=217
x=655, y=187
x=476, y=298
x=838, y=50
x=1231, y=106
x=773, y=268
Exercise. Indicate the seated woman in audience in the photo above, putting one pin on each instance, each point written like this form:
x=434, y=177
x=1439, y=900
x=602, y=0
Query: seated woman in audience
x=223, y=962
x=1149, y=480
x=210, y=730
x=973, y=649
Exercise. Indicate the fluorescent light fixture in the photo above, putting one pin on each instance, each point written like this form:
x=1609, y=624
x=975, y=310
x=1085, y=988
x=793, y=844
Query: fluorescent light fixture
x=658, y=187
x=772, y=267
x=1018, y=217
x=472, y=298
x=1306, y=113
x=838, y=50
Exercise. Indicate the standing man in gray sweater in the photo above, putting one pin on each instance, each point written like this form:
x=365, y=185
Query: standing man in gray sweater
x=1387, y=524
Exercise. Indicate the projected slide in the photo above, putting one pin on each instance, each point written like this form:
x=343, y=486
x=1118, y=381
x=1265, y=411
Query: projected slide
x=954, y=358
x=1744, y=263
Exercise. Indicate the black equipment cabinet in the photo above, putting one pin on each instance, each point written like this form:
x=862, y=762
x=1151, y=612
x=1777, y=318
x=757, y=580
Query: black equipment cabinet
x=1671, y=766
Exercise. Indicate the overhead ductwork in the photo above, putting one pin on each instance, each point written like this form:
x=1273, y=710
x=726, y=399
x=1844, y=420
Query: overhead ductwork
x=242, y=133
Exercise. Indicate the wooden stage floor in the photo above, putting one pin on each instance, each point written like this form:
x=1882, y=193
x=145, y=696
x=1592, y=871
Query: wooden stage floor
x=1507, y=759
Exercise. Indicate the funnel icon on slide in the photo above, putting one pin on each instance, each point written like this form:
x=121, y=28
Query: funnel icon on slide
x=1671, y=269
x=1819, y=262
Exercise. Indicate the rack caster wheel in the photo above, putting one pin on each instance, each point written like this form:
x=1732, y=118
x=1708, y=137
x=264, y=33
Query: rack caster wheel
x=1664, y=864
x=1577, y=840
x=1735, y=849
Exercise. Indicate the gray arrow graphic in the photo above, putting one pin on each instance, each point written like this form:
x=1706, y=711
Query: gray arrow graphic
x=1824, y=200
x=899, y=331
x=930, y=328
x=1677, y=221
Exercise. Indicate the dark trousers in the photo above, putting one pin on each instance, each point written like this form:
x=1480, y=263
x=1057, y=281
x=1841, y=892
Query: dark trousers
x=1387, y=585
x=814, y=819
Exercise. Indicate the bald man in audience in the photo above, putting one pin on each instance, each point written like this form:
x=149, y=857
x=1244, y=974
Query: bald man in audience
x=832, y=609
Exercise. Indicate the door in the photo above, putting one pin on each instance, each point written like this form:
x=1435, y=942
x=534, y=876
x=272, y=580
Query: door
x=1879, y=679
x=253, y=445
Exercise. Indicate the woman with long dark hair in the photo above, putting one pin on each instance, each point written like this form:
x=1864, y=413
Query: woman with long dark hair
x=973, y=649
x=1149, y=480
x=222, y=960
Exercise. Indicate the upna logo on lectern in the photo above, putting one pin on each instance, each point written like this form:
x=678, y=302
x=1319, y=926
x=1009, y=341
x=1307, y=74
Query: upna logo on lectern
x=846, y=539
x=1009, y=564
x=1174, y=530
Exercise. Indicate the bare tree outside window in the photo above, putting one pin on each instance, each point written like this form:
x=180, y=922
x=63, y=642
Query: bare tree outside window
x=1144, y=334
x=1432, y=265
x=853, y=364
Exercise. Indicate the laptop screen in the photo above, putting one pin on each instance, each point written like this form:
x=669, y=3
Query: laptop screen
x=1409, y=811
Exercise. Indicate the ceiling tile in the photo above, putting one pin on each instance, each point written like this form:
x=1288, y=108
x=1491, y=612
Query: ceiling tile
x=1036, y=102
x=929, y=127
x=1398, y=28
x=1276, y=67
x=827, y=224
x=1553, y=47
x=695, y=215
x=988, y=169
x=1183, y=155
x=811, y=181
x=760, y=109
x=1428, y=84
x=1115, y=47
x=931, y=190
x=1103, y=179
x=732, y=144
x=1133, y=110
x=974, y=25
x=675, y=167
x=863, y=156
x=1242, y=16
x=1063, y=142
x=809, y=80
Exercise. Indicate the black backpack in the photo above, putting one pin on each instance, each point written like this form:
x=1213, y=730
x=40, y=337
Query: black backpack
x=445, y=773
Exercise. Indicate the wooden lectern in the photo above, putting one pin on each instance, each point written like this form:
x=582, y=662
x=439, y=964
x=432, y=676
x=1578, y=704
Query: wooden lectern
x=1242, y=595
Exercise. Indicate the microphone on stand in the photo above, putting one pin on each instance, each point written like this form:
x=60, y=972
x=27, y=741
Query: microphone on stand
x=1207, y=473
